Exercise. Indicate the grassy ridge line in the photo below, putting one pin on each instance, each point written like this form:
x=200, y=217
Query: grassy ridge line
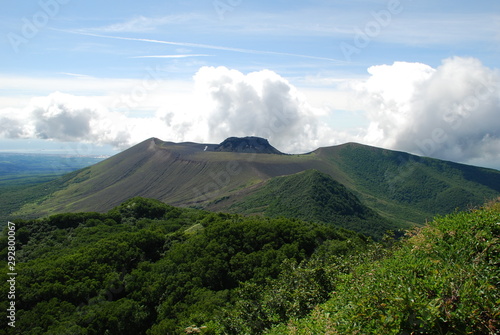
x=313, y=196
x=402, y=186
x=443, y=279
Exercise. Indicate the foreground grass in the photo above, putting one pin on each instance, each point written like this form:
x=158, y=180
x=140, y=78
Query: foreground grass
x=442, y=279
x=149, y=268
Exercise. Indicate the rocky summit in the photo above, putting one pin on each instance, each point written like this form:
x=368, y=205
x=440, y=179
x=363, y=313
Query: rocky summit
x=249, y=144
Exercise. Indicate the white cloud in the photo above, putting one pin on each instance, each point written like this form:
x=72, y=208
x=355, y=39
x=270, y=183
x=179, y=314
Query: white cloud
x=451, y=112
x=230, y=103
x=67, y=118
x=387, y=95
x=220, y=104
x=11, y=127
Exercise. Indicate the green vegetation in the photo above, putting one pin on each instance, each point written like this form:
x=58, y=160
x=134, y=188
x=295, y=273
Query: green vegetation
x=144, y=267
x=313, y=196
x=441, y=279
x=406, y=187
x=149, y=268
x=28, y=178
x=16, y=193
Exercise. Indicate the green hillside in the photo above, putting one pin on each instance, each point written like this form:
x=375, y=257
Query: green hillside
x=30, y=191
x=22, y=174
x=442, y=279
x=313, y=196
x=406, y=187
x=402, y=188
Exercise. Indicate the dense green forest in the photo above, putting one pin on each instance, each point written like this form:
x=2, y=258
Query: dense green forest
x=149, y=268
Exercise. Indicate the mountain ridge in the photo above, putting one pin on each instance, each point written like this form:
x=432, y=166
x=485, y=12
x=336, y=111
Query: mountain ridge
x=401, y=187
x=311, y=195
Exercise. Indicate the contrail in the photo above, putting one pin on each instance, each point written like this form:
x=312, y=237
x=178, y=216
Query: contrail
x=209, y=46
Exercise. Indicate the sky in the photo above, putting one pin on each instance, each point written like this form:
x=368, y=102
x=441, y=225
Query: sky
x=88, y=77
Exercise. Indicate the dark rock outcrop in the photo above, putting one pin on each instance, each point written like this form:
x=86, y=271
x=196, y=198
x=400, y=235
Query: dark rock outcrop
x=249, y=144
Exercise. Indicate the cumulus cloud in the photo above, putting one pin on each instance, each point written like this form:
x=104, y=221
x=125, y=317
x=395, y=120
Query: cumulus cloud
x=386, y=97
x=10, y=127
x=222, y=103
x=67, y=118
x=261, y=104
x=229, y=103
x=451, y=112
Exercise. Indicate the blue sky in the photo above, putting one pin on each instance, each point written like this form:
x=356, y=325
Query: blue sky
x=110, y=74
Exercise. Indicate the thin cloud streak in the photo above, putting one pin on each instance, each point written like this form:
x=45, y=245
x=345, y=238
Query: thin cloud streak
x=143, y=24
x=174, y=56
x=209, y=46
x=77, y=75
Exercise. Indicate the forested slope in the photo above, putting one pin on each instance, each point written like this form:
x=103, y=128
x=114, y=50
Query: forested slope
x=149, y=268
x=313, y=196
